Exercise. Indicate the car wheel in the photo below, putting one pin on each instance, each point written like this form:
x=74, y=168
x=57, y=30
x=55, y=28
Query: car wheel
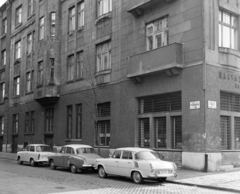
x=32, y=163
x=102, y=173
x=137, y=177
x=73, y=168
x=52, y=165
x=162, y=179
x=19, y=161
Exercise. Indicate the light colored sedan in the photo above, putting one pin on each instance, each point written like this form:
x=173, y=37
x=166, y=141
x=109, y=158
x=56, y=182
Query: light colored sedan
x=34, y=154
x=136, y=163
x=77, y=157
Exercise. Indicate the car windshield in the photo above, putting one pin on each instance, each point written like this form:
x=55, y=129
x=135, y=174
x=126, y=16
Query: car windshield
x=85, y=151
x=43, y=149
x=146, y=155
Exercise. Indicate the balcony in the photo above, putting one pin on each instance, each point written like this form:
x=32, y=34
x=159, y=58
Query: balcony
x=47, y=95
x=167, y=59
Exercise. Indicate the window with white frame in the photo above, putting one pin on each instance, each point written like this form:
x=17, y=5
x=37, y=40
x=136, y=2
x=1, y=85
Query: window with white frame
x=4, y=26
x=41, y=28
x=1, y=125
x=157, y=34
x=70, y=68
x=16, y=87
x=228, y=30
x=104, y=6
x=104, y=56
x=2, y=94
x=79, y=65
x=18, y=19
x=53, y=24
x=15, y=123
x=72, y=19
x=18, y=50
x=29, y=43
x=81, y=14
x=4, y=57
x=31, y=7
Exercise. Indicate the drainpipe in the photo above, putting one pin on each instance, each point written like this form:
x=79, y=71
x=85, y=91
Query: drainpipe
x=206, y=163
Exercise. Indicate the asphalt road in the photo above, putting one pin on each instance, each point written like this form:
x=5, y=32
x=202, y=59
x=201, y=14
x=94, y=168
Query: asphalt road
x=24, y=179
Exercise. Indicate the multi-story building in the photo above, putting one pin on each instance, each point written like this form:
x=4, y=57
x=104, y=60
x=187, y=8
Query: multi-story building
x=161, y=74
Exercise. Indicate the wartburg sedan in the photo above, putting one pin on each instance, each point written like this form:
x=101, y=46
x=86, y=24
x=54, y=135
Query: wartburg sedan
x=136, y=163
x=76, y=157
x=34, y=154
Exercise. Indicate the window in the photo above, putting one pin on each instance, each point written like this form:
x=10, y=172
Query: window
x=104, y=109
x=29, y=122
x=70, y=68
x=41, y=28
x=104, y=6
x=4, y=26
x=69, y=122
x=104, y=56
x=4, y=57
x=72, y=20
x=144, y=133
x=16, y=87
x=16, y=69
x=49, y=120
x=52, y=70
x=127, y=155
x=104, y=133
x=1, y=125
x=53, y=24
x=29, y=82
x=15, y=123
x=160, y=129
x=40, y=73
x=18, y=50
x=29, y=43
x=2, y=94
x=117, y=154
x=177, y=132
x=79, y=121
x=227, y=30
x=31, y=7
x=79, y=65
x=18, y=19
x=80, y=14
x=157, y=34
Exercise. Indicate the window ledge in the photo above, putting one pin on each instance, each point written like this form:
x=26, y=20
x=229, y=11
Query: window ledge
x=2, y=102
x=71, y=33
x=39, y=85
x=80, y=28
x=18, y=25
x=28, y=93
x=17, y=96
x=15, y=134
x=48, y=133
x=79, y=79
x=72, y=140
x=103, y=17
x=3, y=36
x=70, y=81
x=229, y=51
x=31, y=16
x=107, y=71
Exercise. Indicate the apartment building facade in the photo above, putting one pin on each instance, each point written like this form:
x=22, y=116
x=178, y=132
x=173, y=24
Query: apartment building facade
x=157, y=74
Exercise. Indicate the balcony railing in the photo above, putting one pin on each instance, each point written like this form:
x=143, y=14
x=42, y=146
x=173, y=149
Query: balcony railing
x=168, y=58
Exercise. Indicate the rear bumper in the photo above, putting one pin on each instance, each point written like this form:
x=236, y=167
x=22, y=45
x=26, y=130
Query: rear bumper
x=156, y=176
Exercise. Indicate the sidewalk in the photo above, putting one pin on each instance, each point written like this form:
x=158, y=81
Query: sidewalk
x=223, y=180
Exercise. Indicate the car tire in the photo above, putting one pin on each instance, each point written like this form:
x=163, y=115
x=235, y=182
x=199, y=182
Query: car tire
x=32, y=163
x=19, y=161
x=52, y=165
x=73, y=168
x=137, y=177
x=102, y=173
x=162, y=179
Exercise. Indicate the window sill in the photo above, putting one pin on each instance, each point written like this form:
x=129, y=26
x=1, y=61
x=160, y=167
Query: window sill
x=80, y=29
x=107, y=71
x=17, y=96
x=28, y=93
x=79, y=79
x=3, y=36
x=51, y=84
x=28, y=133
x=15, y=134
x=39, y=86
x=72, y=140
x=70, y=81
x=31, y=16
x=103, y=17
x=18, y=25
x=71, y=33
x=48, y=133
x=229, y=51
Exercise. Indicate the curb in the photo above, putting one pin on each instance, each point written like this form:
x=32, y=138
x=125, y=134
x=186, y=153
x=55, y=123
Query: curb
x=204, y=186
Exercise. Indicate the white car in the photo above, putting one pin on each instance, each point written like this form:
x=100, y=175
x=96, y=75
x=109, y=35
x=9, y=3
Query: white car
x=34, y=154
x=136, y=163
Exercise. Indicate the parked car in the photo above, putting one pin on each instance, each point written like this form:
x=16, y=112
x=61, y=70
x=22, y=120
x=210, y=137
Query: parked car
x=77, y=157
x=34, y=154
x=136, y=163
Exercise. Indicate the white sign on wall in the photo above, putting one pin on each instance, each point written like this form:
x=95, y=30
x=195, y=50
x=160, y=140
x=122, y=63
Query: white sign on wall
x=195, y=105
x=212, y=104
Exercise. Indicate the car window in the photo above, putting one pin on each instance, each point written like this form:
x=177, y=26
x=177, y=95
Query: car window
x=63, y=150
x=31, y=148
x=43, y=149
x=117, y=154
x=146, y=155
x=27, y=148
x=69, y=150
x=85, y=151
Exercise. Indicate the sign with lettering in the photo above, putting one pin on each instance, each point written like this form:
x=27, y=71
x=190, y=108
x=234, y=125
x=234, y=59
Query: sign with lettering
x=195, y=105
x=230, y=77
x=212, y=104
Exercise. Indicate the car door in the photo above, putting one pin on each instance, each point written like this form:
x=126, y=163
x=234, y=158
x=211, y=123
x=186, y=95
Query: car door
x=112, y=163
x=58, y=158
x=25, y=153
x=69, y=152
x=125, y=163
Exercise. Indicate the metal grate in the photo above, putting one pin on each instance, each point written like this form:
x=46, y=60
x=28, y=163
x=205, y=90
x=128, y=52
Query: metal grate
x=144, y=133
x=229, y=102
x=161, y=103
x=177, y=132
x=160, y=132
x=104, y=133
x=104, y=109
x=237, y=132
x=225, y=132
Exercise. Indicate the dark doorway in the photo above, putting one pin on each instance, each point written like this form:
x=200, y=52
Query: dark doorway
x=1, y=143
x=48, y=139
x=14, y=144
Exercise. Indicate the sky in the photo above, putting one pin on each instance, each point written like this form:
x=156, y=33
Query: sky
x=2, y=2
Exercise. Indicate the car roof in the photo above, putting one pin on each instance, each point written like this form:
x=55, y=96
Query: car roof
x=77, y=146
x=134, y=149
x=37, y=145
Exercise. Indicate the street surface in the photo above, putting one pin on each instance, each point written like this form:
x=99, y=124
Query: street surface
x=24, y=179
